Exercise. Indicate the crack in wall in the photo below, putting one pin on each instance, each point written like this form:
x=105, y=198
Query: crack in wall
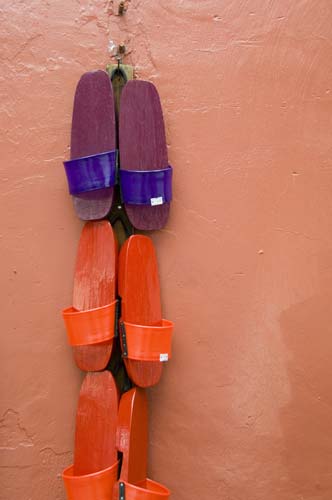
x=12, y=433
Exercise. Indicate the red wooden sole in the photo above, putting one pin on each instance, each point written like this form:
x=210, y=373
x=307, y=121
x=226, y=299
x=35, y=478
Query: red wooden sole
x=95, y=285
x=96, y=423
x=140, y=300
x=132, y=435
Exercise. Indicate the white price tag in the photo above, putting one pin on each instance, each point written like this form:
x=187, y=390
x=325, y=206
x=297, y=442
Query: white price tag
x=163, y=357
x=156, y=201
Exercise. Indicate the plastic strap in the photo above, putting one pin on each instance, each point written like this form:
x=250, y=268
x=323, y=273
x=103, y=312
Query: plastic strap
x=91, y=172
x=149, y=490
x=146, y=343
x=96, y=485
x=91, y=326
x=146, y=187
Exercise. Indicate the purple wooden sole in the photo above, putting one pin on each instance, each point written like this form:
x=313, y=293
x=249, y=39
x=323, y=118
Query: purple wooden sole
x=142, y=145
x=93, y=131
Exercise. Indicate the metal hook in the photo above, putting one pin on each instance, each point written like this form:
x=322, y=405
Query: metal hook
x=122, y=8
x=120, y=52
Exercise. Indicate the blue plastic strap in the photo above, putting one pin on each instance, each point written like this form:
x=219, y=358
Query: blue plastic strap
x=91, y=172
x=146, y=187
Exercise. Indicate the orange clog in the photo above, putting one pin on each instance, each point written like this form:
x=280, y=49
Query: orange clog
x=145, y=336
x=132, y=442
x=90, y=321
x=132, y=435
x=96, y=424
x=95, y=468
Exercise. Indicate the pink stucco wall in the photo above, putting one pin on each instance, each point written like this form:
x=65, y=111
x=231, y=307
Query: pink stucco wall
x=244, y=410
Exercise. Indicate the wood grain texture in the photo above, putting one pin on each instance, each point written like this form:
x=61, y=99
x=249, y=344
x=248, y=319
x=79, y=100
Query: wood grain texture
x=93, y=131
x=95, y=285
x=96, y=423
x=132, y=435
x=142, y=145
x=139, y=290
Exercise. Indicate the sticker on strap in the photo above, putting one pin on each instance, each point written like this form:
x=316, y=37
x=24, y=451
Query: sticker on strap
x=156, y=201
x=163, y=357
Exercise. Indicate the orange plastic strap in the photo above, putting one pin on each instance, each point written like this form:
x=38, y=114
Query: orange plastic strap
x=147, y=343
x=91, y=326
x=149, y=490
x=95, y=486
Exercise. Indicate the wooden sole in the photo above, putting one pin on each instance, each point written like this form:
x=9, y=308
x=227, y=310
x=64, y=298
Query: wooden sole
x=140, y=300
x=93, y=131
x=95, y=286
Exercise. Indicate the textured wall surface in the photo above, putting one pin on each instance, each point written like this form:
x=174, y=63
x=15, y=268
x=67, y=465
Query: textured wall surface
x=244, y=410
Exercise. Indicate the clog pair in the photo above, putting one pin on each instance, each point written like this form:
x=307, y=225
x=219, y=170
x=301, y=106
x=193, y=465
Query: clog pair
x=145, y=177
x=92, y=321
x=106, y=430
